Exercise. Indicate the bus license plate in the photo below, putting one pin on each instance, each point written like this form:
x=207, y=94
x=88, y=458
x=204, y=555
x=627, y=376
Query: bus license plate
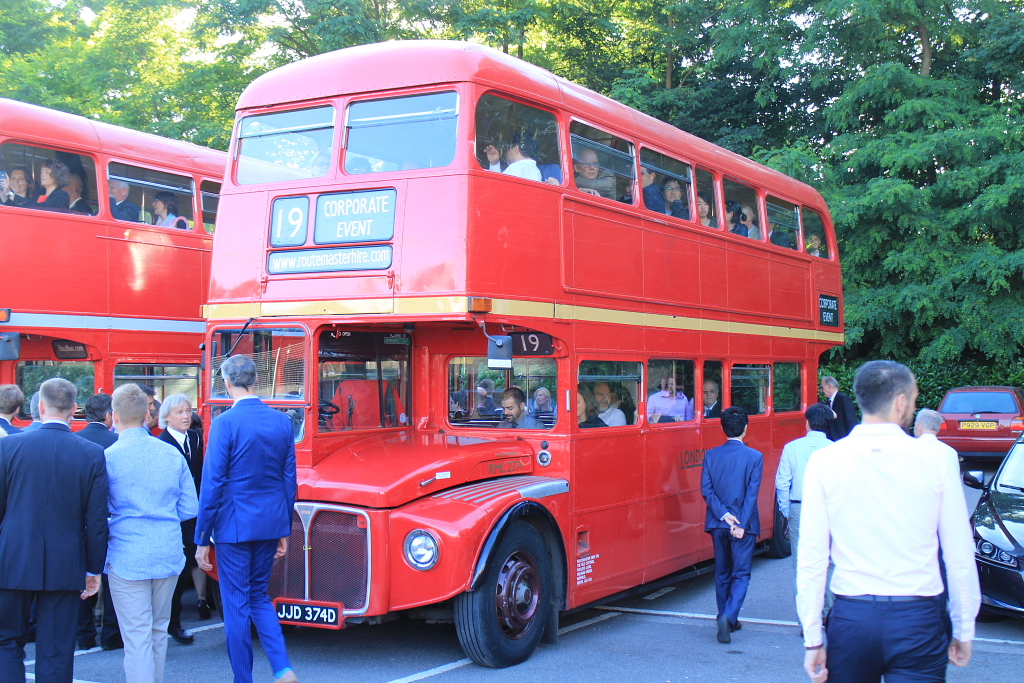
x=310, y=613
x=979, y=425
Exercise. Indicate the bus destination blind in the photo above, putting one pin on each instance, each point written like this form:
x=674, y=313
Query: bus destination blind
x=347, y=217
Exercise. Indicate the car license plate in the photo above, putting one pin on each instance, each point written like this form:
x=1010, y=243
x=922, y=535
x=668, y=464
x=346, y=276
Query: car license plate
x=310, y=613
x=979, y=425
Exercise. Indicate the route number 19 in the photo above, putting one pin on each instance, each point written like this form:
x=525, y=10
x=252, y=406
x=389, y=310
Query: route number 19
x=289, y=221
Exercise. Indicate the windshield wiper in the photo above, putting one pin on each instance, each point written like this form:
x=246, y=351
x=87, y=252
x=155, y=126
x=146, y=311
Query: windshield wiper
x=986, y=412
x=1011, y=486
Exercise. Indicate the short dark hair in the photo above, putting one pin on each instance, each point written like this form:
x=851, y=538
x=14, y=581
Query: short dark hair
x=734, y=421
x=58, y=171
x=514, y=393
x=11, y=398
x=97, y=407
x=170, y=200
x=527, y=144
x=146, y=389
x=818, y=416
x=879, y=382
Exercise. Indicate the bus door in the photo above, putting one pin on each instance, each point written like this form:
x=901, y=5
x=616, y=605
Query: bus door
x=608, y=480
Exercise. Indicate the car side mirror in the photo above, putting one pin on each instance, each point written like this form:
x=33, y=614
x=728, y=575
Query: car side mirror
x=974, y=479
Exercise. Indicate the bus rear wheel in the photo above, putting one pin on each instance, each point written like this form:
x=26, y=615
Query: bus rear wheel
x=500, y=623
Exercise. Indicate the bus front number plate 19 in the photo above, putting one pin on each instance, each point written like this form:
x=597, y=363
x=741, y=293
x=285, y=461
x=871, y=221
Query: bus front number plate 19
x=310, y=613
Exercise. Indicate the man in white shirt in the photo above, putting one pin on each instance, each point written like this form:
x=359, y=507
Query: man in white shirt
x=789, y=480
x=520, y=156
x=926, y=427
x=885, y=503
x=607, y=405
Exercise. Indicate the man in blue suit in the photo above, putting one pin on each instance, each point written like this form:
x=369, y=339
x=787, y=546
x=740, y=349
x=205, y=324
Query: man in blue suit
x=11, y=399
x=730, y=482
x=248, y=491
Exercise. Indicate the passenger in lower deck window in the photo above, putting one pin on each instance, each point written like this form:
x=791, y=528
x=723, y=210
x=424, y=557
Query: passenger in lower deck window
x=749, y=219
x=669, y=404
x=674, y=204
x=542, y=403
x=591, y=178
x=520, y=157
x=513, y=403
x=712, y=406
x=586, y=409
x=608, y=402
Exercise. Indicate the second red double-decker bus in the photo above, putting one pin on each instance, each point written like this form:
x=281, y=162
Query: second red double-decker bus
x=106, y=253
x=504, y=313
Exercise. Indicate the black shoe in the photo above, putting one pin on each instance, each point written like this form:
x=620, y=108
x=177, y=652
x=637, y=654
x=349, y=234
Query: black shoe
x=181, y=636
x=736, y=627
x=87, y=643
x=114, y=644
x=204, y=610
x=724, y=630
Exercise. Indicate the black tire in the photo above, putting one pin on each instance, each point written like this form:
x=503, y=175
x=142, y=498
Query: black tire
x=779, y=546
x=498, y=632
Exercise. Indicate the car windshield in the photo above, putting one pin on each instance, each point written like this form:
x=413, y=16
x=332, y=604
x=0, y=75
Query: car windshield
x=1011, y=476
x=980, y=402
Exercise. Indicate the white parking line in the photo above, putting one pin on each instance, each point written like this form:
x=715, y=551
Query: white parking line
x=692, y=615
x=32, y=677
x=657, y=594
x=463, y=662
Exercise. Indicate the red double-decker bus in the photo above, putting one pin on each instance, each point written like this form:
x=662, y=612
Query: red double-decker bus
x=106, y=253
x=504, y=313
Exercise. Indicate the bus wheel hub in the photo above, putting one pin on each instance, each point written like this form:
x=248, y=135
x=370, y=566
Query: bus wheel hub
x=517, y=597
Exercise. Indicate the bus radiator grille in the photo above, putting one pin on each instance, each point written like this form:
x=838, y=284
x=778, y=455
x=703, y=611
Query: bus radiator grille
x=339, y=559
x=288, y=577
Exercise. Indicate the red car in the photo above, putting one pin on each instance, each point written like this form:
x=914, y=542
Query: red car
x=982, y=422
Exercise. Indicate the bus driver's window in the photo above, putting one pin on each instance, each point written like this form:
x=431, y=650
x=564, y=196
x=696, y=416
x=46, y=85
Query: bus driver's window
x=517, y=140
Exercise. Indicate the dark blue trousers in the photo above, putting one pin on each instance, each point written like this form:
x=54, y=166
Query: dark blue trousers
x=733, y=558
x=903, y=641
x=56, y=624
x=244, y=570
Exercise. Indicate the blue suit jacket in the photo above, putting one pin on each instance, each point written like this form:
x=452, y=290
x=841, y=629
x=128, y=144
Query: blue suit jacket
x=248, y=476
x=730, y=482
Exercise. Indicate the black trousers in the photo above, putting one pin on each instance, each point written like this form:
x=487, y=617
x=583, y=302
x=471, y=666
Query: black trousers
x=903, y=641
x=56, y=624
x=110, y=633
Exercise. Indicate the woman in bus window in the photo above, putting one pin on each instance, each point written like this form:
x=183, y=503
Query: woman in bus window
x=53, y=175
x=21, y=186
x=165, y=211
x=586, y=409
x=704, y=207
x=542, y=402
x=734, y=218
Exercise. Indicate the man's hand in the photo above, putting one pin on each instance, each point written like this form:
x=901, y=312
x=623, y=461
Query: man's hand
x=552, y=181
x=493, y=155
x=282, y=548
x=203, y=558
x=731, y=520
x=589, y=191
x=959, y=653
x=92, y=586
x=737, y=532
x=814, y=665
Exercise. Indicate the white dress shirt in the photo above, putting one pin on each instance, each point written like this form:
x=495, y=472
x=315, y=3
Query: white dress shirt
x=886, y=500
x=945, y=449
x=524, y=168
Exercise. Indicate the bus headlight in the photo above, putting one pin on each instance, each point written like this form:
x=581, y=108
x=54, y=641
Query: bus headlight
x=421, y=549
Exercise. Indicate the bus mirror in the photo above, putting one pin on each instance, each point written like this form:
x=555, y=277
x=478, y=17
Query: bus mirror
x=499, y=352
x=10, y=346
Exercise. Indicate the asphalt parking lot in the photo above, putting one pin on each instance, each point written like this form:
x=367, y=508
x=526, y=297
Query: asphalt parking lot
x=666, y=635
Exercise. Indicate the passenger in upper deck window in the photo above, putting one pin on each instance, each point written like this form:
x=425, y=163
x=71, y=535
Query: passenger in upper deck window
x=165, y=211
x=120, y=207
x=653, y=198
x=513, y=403
x=704, y=207
x=21, y=186
x=815, y=246
x=520, y=157
x=591, y=178
x=74, y=190
x=674, y=204
x=734, y=219
x=53, y=175
x=749, y=219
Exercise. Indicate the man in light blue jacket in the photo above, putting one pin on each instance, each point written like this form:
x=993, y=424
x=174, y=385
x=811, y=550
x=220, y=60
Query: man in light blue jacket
x=151, y=492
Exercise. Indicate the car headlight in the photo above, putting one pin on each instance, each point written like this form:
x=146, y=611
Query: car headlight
x=991, y=553
x=421, y=550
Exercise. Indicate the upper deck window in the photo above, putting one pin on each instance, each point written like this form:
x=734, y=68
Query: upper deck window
x=517, y=140
x=401, y=133
x=666, y=184
x=783, y=223
x=42, y=178
x=603, y=163
x=289, y=145
x=707, y=199
x=280, y=357
x=814, y=233
x=741, y=215
x=210, y=193
x=364, y=380
x=155, y=197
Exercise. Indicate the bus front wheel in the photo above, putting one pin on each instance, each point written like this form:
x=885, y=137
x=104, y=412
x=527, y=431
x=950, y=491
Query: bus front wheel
x=500, y=623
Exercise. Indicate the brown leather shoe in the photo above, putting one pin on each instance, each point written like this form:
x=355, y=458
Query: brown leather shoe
x=289, y=677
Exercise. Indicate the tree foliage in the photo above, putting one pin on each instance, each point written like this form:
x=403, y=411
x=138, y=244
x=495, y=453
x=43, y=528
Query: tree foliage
x=906, y=114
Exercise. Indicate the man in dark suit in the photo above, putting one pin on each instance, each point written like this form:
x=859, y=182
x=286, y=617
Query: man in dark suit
x=100, y=416
x=249, y=488
x=120, y=207
x=175, y=417
x=712, y=404
x=730, y=482
x=842, y=408
x=53, y=536
x=11, y=400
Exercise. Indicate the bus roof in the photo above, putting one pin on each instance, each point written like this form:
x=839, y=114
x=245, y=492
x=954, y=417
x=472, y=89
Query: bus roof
x=69, y=131
x=402, y=64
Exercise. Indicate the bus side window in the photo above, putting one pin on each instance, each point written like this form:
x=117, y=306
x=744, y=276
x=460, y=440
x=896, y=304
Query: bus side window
x=783, y=223
x=711, y=389
x=670, y=383
x=73, y=175
x=149, y=196
x=741, y=214
x=750, y=387
x=517, y=140
x=786, y=384
x=707, y=199
x=814, y=233
x=607, y=393
x=665, y=184
x=210, y=194
x=603, y=163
